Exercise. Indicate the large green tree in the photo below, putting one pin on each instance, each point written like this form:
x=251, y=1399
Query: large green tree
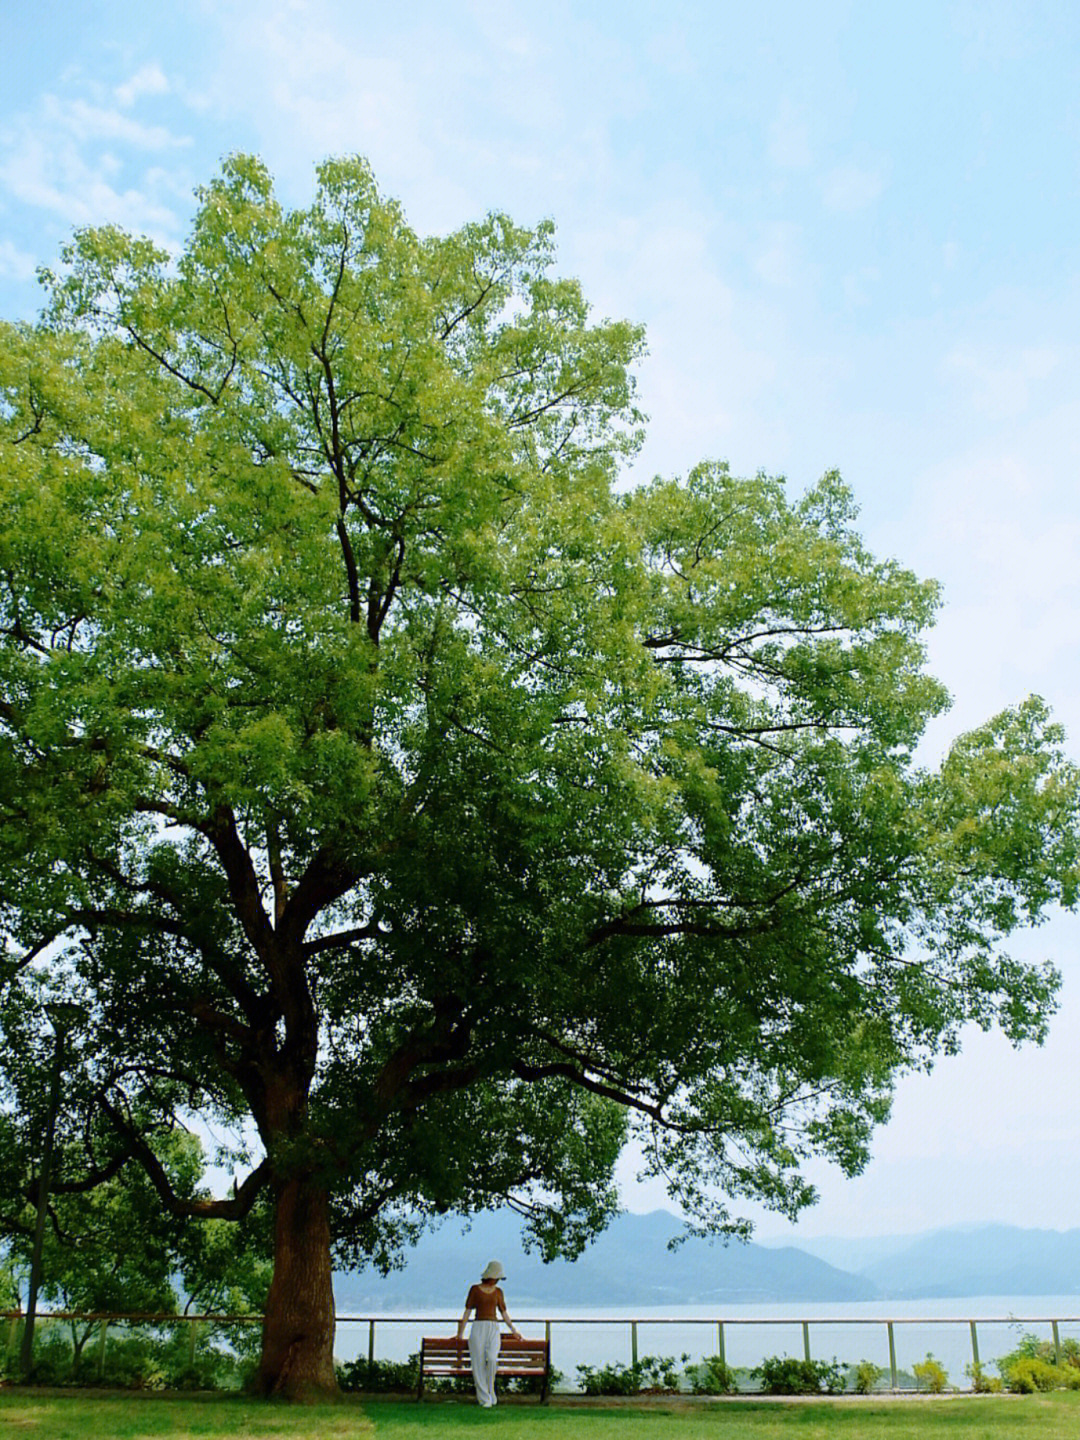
x=376, y=769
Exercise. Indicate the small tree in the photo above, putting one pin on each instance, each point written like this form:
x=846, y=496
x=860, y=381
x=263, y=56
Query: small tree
x=109, y=1245
x=376, y=770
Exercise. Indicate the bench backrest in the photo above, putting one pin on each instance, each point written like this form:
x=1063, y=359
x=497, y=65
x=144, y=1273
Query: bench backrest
x=450, y=1356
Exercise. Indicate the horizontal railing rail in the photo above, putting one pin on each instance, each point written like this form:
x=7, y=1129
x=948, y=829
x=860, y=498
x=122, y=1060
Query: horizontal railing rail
x=632, y=1324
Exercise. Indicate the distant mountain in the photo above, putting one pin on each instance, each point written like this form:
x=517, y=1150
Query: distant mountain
x=855, y=1253
x=629, y=1265
x=980, y=1260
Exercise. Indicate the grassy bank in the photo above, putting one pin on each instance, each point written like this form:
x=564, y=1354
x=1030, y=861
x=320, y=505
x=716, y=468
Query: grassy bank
x=88, y=1416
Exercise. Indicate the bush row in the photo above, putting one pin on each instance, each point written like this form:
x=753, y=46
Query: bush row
x=143, y=1358
x=224, y=1359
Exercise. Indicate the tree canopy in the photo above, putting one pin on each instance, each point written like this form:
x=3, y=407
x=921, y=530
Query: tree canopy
x=380, y=769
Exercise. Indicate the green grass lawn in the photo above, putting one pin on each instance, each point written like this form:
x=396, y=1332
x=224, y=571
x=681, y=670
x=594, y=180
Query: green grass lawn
x=88, y=1416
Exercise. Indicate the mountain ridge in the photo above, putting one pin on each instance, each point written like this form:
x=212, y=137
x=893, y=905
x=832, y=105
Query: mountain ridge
x=630, y=1265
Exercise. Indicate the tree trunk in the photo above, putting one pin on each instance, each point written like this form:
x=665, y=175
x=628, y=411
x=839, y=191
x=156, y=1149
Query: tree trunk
x=298, y=1328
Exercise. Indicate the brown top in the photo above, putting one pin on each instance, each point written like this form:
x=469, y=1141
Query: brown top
x=486, y=1303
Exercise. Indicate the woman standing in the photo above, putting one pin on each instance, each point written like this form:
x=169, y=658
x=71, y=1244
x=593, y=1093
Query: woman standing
x=488, y=1302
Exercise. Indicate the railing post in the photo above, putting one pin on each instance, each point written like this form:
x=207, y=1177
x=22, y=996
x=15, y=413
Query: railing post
x=892, y=1355
x=806, y=1341
x=720, y=1342
x=974, y=1343
x=193, y=1326
x=633, y=1343
x=101, y=1349
x=1057, y=1342
x=13, y=1330
x=370, y=1347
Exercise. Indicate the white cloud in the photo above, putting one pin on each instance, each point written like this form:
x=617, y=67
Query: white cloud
x=706, y=368
x=81, y=159
x=148, y=80
x=94, y=122
x=851, y=187
x=16, y=264
x=1000, y=384
x=860, y=285
x=83, y=164
x=777, y=262
x=53, y=174
x=789, y=139
x=997, y=520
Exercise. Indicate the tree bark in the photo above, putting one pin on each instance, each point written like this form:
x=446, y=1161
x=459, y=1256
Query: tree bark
x=298, y=1327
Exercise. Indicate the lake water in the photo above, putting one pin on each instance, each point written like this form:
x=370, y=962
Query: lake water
x=848, y=1331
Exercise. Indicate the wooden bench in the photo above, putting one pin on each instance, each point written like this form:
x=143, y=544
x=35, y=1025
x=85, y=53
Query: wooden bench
x=442, y=1359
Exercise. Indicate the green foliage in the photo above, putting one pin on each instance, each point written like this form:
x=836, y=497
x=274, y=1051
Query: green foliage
x=1038, y=1348
x=660, y=1373
x=402, y=1377
x=930, y=1375
x=1028, y=1374
x=711, y=1376
x=783, y=1375
x=112, y=1248
x=383, y=776
x=380, y=1376
x=614, y=1379
x=137, y=1357
x=654, y=1374
x=1037, y=1364
x=981, y=1382
x=865, y=1377
x=532, y=1384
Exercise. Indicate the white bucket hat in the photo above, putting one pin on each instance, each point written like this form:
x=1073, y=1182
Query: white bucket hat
x=493, y=1271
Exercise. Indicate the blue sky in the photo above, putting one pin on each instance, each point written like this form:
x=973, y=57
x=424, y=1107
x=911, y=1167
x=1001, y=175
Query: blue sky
x=851, y=231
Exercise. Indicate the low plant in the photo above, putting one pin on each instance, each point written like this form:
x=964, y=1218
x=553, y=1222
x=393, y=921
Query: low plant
x=532, y=1384
x=380, y=1377
x=1031, y=1347
x=661, y=1374
x=711, y=1376
x=654, y=1374
x=981, y=1382
x=865, y=1376
x=1030, y=1373
x=615, y=1379
x=931, y=1375
x=783, y=1375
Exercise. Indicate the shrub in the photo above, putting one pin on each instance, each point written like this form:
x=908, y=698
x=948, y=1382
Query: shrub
x=782, y=1375
x=655, y=1373
x=659, y=1373
x=617, y=1379
x=532, y=1384
x=52, y=1356
x=1032, y=1348
x=1030, y=1373
x=1027, y=1374
x=711, y=1377
x=930, y=1375
x=380, y=1377
x=865, y=1377
x=982, y=1383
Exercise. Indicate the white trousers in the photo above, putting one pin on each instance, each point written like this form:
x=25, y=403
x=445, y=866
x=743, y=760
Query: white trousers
x=484, y=1341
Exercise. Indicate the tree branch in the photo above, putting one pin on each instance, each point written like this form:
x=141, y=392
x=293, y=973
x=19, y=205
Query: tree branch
x=244, y=1195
